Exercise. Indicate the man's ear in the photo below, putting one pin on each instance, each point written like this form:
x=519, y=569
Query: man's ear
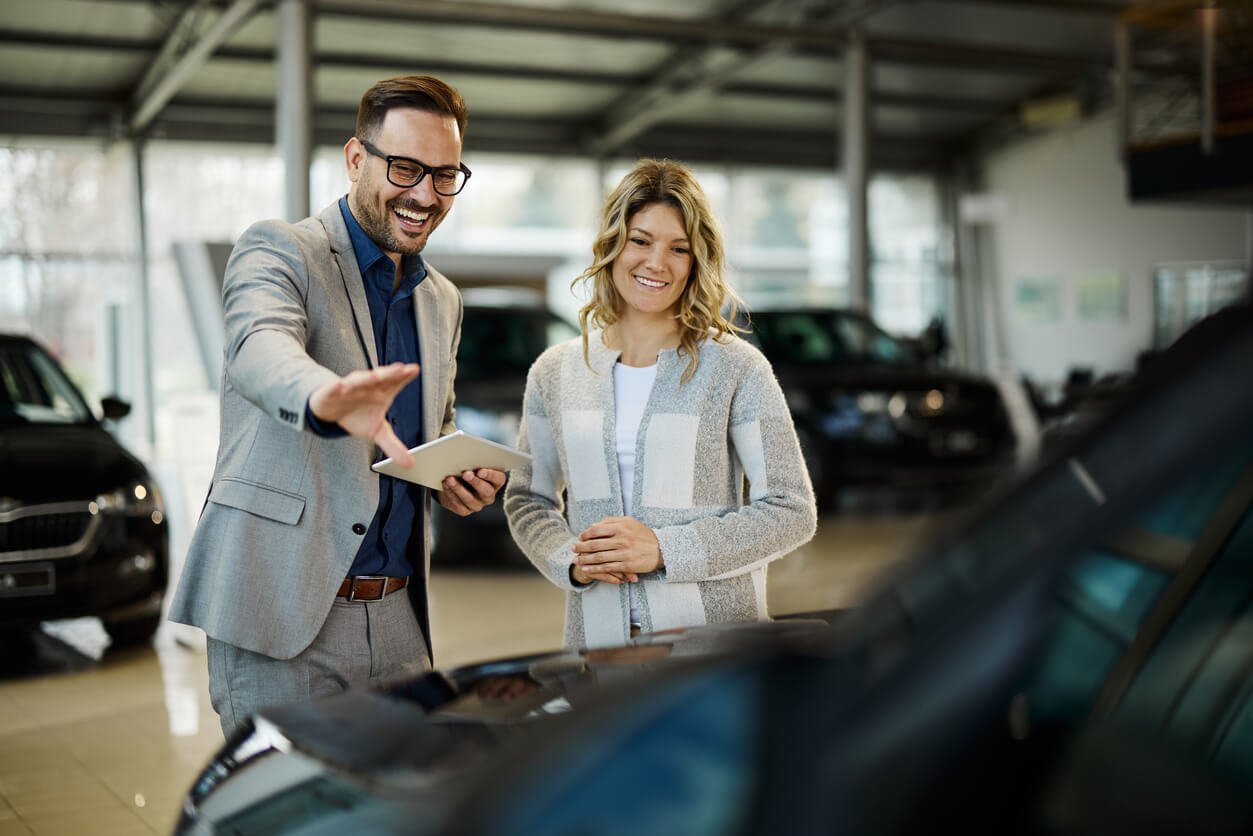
x=354, y=158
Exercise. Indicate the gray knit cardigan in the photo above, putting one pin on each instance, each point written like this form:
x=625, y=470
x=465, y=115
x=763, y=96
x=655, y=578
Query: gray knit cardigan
x=696, y=445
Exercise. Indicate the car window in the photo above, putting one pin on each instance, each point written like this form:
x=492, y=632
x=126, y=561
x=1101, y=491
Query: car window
x=1100, y=604
x=1194, y=684
x=503, y=342
x=33, y=388
x=866, y=340
x=826, y=338
x=1197, y=684
x=797, y=337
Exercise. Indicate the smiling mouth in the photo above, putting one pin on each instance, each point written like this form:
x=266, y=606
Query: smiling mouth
x=411, y=220
x=649, y=283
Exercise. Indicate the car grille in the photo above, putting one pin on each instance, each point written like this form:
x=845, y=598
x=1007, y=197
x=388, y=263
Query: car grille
x=46, y=531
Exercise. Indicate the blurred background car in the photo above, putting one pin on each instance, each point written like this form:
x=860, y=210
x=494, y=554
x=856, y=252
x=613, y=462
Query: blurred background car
x=874, y=410
x=503, y=330
x=1073, y=656
x=82, y=522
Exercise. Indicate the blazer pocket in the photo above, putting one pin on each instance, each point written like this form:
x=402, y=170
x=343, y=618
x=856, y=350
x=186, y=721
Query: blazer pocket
x=257, y=499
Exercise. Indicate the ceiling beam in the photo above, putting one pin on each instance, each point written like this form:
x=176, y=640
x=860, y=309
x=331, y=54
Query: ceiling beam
x=685, y=76
x=574, y=21
x=882, y=49
x=672, y=83
x=183, y=52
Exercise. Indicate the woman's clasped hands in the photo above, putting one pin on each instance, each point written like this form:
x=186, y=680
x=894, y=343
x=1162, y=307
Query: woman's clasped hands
x=616, y=550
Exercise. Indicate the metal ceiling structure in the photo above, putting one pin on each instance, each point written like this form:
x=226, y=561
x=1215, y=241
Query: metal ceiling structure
x=737, y=81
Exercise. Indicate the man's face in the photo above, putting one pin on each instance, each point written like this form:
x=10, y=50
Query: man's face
x=400, y=220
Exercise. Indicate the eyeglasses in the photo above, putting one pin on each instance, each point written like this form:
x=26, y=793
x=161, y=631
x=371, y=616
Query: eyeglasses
x=406, y=172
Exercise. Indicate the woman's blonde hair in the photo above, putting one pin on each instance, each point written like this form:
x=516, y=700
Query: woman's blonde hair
x=700, y=307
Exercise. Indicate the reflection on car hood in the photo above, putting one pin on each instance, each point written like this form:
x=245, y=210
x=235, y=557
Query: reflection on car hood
x=56, y=463
x=445, y=721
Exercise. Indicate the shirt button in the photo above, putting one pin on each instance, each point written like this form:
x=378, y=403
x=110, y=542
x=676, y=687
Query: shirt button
x=358, y=528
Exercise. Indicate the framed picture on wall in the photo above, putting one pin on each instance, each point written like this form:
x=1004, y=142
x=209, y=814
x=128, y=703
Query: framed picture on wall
x=1037, y=300
x=1101, y=296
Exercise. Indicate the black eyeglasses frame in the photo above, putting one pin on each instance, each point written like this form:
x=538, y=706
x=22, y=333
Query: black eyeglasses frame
x=426, y=169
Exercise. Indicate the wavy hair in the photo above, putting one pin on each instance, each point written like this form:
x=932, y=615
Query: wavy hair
x=700, y=314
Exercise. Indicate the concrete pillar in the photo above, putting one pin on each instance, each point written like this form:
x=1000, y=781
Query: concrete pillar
x=147, y=369
x=855, y=165
x=293, y=115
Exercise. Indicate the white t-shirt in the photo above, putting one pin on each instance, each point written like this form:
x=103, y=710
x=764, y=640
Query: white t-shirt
x=631, y=387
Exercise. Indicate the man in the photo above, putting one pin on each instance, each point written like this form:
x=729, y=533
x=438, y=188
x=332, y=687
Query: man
x=295, y=564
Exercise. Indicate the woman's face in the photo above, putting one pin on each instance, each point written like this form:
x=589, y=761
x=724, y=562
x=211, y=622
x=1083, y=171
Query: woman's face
x=653, y=268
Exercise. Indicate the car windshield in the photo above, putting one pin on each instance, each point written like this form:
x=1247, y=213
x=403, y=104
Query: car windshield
x=826, y=338
x=34, y=390
x=503, y=342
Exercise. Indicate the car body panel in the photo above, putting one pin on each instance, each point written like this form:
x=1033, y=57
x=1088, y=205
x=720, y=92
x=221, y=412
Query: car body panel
x=870, y=409
x=1039, y=666
x=82, y=525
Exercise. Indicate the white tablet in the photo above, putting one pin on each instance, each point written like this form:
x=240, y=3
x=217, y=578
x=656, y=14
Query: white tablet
x=450, y=455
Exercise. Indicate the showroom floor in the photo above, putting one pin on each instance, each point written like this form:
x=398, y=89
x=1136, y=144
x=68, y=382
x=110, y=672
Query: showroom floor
x=106, y=743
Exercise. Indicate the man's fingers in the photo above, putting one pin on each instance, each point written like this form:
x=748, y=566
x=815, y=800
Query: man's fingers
x=494, y=477
x=392, y=446
x=485, y=491
x=450, y=501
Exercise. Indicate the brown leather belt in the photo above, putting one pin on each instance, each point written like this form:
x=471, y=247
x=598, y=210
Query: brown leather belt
x=370, y=587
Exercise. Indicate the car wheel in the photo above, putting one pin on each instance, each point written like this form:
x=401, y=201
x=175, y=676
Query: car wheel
x=134, y=632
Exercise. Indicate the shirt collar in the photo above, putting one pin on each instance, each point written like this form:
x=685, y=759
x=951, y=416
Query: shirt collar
x=368, y=253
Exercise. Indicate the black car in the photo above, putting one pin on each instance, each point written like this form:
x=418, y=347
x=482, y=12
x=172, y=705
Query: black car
x=503, y=330
x=82, y=524
x=873, y=410
x=1073, y=656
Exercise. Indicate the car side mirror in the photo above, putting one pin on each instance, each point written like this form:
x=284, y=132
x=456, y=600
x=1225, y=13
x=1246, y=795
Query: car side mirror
x=114, y=408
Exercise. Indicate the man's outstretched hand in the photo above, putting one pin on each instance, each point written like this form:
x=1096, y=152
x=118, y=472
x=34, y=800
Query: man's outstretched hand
x=358, y=402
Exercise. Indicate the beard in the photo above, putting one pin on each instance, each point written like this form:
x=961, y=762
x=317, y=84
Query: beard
x=378, y=224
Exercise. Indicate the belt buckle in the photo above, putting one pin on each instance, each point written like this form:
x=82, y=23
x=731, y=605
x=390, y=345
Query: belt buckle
x=352, y=588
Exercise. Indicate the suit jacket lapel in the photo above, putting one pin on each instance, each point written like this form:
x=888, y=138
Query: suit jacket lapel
x=341, y=246
x=432, y=354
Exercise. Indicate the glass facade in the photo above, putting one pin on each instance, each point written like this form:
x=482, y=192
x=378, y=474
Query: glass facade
x=68, y=271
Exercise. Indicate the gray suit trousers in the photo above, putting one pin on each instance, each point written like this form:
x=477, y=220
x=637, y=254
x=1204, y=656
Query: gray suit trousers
x=362, y=643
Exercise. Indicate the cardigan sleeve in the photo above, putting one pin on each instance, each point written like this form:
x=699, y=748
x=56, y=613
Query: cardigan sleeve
x=535, y=494
x=780, y=514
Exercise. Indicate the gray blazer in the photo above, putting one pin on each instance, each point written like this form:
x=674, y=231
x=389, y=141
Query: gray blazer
x=287, y=508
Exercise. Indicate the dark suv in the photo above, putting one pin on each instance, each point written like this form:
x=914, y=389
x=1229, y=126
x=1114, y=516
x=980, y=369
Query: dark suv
x=82, y=524
x=872, y=409
x=503, y=330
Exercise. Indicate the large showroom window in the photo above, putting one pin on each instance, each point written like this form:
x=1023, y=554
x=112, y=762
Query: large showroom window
x=68, y=270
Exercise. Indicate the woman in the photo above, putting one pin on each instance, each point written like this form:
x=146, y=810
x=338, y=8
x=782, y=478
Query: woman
x=642, y=434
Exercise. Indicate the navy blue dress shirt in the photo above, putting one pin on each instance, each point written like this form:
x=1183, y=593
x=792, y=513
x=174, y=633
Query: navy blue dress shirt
x=386, y=548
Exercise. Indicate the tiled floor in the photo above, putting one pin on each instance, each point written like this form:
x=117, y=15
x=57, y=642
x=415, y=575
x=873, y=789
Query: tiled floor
x=105, y=743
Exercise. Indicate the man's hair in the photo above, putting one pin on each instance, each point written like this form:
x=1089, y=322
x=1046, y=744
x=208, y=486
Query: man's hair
x=700, y=312
x=420, y=92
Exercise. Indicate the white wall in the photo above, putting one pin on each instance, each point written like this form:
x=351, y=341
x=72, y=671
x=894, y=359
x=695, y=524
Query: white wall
x=1066, y=216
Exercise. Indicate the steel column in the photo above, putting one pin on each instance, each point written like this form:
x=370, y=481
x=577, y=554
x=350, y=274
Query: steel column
x=293, y=130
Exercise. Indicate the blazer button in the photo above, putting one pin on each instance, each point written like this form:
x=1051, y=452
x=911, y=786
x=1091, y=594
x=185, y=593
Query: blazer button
x=358, y=528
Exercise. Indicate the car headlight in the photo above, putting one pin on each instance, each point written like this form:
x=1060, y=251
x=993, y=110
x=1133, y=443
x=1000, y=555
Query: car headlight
x=138, y=499
x=255, y=739
x=873, y=403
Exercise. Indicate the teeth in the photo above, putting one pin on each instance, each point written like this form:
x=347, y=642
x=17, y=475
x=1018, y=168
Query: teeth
x=411, y=215
x=649, y=282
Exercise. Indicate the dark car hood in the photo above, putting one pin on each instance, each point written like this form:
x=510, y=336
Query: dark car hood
x=457, y=715
x=58, y=463
x=879, y=376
